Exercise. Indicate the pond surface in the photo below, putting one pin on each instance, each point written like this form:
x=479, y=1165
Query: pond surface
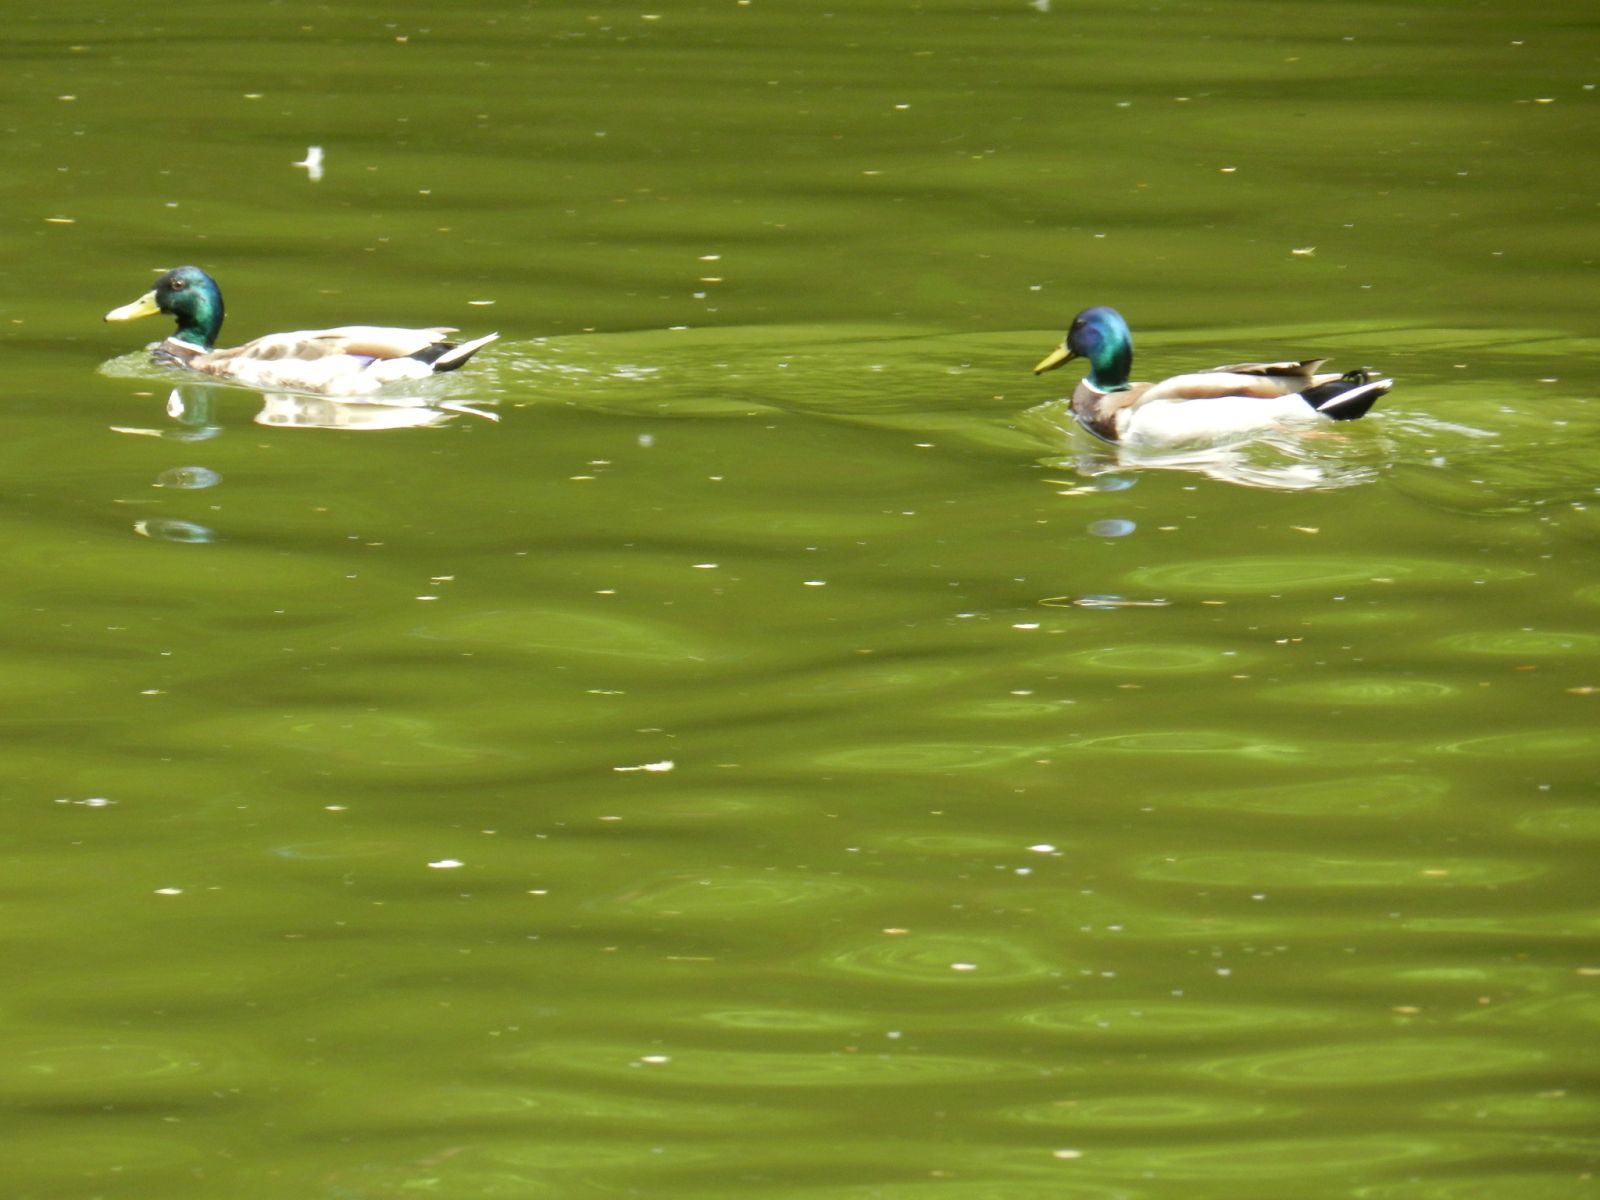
x=735, y=738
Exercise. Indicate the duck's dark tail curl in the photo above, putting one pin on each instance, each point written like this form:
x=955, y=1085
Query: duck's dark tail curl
x=1349, y=396
x=447, y=356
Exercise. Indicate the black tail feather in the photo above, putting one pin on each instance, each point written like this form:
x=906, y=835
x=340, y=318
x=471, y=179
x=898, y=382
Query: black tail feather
x=1350, y=396
x=447, y=356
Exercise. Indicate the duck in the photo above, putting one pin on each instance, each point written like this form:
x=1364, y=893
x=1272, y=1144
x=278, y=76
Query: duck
x=352, y=360
x=1199, y=408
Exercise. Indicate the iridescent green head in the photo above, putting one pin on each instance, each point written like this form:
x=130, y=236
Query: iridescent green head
x=1101, y=336
x=188, y=295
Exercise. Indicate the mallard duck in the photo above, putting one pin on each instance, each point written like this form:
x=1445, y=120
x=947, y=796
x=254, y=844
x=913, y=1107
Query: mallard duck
x=354, y=360
x=1217, y=405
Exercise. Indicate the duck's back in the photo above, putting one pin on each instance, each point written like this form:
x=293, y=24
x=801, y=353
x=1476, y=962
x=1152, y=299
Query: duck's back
x=366, y=341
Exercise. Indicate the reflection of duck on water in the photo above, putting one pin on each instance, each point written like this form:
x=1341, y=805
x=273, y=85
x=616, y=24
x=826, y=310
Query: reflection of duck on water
x=191, y=407
x=353, y=360
x=283, y=410
x=1199, y=408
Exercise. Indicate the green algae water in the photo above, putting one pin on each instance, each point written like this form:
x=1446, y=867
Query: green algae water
x=736, y=739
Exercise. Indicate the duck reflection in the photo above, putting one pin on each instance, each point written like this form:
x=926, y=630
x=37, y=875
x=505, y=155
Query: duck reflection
x=288, y=410
x=192, y=409
x=1244, y=467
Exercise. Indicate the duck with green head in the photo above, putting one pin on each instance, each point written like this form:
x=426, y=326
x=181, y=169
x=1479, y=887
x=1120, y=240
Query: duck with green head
x=352, y=360
x=1208, y=407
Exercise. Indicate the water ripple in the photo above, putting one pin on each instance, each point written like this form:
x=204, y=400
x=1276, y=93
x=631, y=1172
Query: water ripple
x=1523, y=643
x=1531, y=1110
x=1289, y=1161
x=55, y=1070
x=973, y=1187
x=1191, y=741
x=1354, y=691
x=1287, y=869
x=1149, y=1112
x=1261, y=574
x=1561, y=824
x=926, y=756
x=1181, y=1020
x=700, y=1067
x=729, y=895
x=1369, y=1064
x=1390, y=795
x=566, y=632
x=1153, y=658
x=1537, y=744
x=946, y=960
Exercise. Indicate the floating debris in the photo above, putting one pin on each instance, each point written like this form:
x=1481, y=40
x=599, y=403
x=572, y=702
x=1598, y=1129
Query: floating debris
x=1102, y=602
x=312, y=162
x=188, y=478
x=165, y=530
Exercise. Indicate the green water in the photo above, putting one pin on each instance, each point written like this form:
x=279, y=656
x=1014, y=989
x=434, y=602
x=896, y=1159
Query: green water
x=741, y=742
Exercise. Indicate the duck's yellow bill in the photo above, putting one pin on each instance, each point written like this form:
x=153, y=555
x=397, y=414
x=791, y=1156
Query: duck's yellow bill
x=1053, y=360
x=144, y=306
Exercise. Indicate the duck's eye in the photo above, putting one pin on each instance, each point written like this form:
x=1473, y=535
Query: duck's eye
x=179, y=284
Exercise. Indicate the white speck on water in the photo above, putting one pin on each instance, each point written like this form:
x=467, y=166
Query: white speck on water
x=447, y=864
x=312, y=163
x=188, y=478
x=657, y=768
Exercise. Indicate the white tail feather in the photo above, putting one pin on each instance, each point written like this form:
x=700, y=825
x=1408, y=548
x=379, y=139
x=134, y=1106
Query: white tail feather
x=1356, y=393
x=460, y=354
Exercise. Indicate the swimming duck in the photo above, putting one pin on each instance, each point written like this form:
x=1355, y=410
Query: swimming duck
x=1203, y=407
x=353, y=360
